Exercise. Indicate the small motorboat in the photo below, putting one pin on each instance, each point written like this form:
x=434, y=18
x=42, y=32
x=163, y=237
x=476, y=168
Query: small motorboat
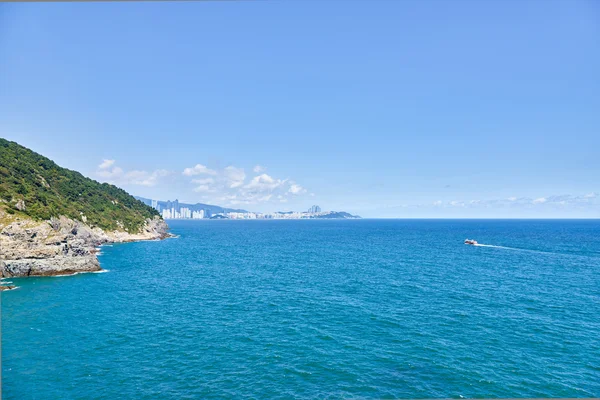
x=470, y=241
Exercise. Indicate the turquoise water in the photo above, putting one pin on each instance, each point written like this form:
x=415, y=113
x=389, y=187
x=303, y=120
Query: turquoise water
x=317, y=309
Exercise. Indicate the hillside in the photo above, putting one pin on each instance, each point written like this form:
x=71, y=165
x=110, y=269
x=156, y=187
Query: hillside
x=35, y=186
x=337, y=215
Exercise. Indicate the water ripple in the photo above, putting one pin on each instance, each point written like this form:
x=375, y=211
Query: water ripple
x=324, y=309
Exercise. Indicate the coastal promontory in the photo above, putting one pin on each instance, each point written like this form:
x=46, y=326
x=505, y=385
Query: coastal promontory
x=53, y=219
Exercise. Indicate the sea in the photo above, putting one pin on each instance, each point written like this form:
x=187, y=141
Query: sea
x=317, y=309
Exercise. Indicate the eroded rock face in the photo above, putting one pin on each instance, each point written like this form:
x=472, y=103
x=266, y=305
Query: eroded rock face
x=60, y=246
x=49, y=266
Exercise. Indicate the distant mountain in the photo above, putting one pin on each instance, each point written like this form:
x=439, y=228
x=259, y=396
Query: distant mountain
x=211, y=209
x=336, y=215
x=324, y=215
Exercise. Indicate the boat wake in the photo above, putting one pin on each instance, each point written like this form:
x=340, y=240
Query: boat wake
x=512, y=248
x=527, y=250
x=497, y=247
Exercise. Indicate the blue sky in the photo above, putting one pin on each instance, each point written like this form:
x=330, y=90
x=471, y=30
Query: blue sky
x=386, y=109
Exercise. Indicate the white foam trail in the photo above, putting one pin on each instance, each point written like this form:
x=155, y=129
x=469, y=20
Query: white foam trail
x=526, y=250
x=506, y=248
x=81, y=272
x=497, y=247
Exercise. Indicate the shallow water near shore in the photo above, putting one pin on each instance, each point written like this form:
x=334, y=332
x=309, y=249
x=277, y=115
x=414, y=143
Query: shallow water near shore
x=317, y=309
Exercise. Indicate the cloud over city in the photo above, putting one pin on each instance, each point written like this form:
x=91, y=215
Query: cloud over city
x=231, y=185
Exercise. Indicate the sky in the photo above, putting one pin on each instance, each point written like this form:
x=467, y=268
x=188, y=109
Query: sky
x=425, y=109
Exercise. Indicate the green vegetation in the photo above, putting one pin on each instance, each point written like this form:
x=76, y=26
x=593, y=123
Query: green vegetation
x=48, y=190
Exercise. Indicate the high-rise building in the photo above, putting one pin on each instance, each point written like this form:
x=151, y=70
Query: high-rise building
x=198, y=214
x=314, y=209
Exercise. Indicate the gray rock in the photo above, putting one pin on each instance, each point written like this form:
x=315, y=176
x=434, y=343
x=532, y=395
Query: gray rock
x=20, y=205
x=60, y=246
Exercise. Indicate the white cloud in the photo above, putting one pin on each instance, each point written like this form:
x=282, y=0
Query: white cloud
x=203, y=189
x=264, y=182
x=229, y=186
x=235, y=176
x=204, y=181
x=198, y=169
x=590, y=196
x=106, y=164
x=296, y=189
x=145, y=178
x=564, y=201
x=109, y=172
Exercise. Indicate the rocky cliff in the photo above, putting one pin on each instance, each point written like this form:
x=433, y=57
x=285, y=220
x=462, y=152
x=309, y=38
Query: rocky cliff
x=52, y=219
x=60, y=246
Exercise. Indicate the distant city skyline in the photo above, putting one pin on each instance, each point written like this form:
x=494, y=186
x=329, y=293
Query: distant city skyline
x=179, y=210
x=383, y=109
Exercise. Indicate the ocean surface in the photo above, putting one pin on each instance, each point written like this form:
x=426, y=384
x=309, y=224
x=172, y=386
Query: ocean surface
x=317, y=309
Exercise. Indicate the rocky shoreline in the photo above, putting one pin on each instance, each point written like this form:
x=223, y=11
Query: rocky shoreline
x=61, y=246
